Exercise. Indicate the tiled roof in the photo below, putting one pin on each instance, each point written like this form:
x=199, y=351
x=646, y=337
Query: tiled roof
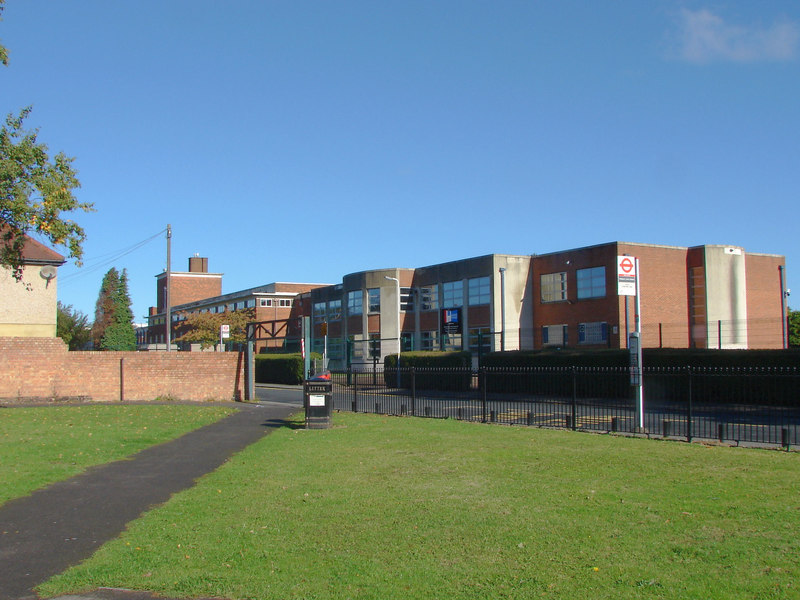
x=34, y=252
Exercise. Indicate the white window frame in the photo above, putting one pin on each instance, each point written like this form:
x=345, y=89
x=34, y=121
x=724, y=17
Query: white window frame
x=407, y=299
x=554, y=287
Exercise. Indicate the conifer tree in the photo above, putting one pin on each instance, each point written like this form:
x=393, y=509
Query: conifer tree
x=104, y=309
x=120, y=335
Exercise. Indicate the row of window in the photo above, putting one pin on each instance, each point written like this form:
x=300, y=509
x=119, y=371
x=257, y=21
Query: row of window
x=591, y=284
x=232, y=306
x=480, y=342
x=452, y=296
x=588, y=333
x=251, y=303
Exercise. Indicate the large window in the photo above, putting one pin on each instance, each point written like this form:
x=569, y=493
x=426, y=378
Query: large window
x=591, y=283
x=554, y=335
x=451, y=342
x=319, y=312
x=554, y=287
x=430, y=340
x=406, y=299
x=429, y=298
x=453, y=294
x=593, y=333
x=355, y=302
x=480, y=291
x=335, y=310
x=374, y=295
x=480, y=341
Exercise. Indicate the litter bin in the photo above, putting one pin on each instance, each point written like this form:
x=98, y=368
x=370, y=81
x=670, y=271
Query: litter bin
x=318, y=401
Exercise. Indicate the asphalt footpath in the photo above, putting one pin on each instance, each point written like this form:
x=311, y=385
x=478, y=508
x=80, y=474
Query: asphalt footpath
x=43, y=534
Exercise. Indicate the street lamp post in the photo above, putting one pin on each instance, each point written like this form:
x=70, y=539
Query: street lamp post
x=399, y=338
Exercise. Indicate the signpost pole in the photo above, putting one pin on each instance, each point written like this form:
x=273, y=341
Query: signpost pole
x=638, y=325
x=628, y=284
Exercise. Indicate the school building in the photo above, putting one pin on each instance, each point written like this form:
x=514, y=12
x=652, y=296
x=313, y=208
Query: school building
x=275, y=305
x=709, y=296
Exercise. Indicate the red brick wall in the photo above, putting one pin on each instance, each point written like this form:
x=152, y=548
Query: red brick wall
x=186, y=288
x=665, y=297
x=764, y=308
x=44, y=368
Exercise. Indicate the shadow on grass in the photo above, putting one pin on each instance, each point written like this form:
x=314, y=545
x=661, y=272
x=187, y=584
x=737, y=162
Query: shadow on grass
x=278, y=423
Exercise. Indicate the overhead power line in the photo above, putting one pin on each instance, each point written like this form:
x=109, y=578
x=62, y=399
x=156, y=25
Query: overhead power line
x=98, y=262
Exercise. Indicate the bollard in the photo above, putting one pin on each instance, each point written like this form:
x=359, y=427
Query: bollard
x=667, y=428
x=355, y=406
x=402, y=409
x=785, y=438
x=427, y=411
x=377, y=408
x=721, y=431
x=493, y=416
x=614, y=424
x=460, y=413
x=529, y=418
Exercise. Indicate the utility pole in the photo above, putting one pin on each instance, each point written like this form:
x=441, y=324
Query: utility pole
x=167, y=308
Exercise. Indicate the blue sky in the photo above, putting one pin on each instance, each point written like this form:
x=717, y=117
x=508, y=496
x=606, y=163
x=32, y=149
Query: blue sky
x=301, y=141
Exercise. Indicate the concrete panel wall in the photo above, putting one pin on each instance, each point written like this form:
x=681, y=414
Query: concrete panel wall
x=726, y=295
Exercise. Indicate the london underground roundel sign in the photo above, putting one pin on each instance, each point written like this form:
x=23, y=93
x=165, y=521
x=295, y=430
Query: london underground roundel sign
x=626, y=275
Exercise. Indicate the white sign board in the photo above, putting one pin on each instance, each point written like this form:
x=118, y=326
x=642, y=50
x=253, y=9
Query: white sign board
x=626, y=275
x=316, y=400
x=225, y=331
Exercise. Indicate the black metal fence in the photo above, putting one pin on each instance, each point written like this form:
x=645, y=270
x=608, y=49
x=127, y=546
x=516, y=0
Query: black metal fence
x=758, y=406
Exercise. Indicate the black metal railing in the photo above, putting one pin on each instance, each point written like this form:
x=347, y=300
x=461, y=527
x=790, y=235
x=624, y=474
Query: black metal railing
x=759, y=405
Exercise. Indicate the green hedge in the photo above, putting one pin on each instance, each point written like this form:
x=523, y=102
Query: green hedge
x=461, y=380
x=665, y=380
x=651, y=358
x=286, y=369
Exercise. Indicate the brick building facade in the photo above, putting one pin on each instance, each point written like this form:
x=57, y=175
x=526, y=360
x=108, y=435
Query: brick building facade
x=275, y=305
x=705, y=296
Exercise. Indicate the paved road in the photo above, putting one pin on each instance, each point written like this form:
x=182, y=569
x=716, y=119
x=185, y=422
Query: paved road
x=43, y=534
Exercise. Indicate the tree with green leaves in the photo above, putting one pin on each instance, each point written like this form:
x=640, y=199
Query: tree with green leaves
x=120, y=334
x=793, y=318
x=72, y=326
x=35, y=190
x=113, y=317
x=203, y=328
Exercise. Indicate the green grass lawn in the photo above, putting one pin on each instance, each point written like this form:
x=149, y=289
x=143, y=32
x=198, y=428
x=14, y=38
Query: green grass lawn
x=42, y=445
x=381, y=507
